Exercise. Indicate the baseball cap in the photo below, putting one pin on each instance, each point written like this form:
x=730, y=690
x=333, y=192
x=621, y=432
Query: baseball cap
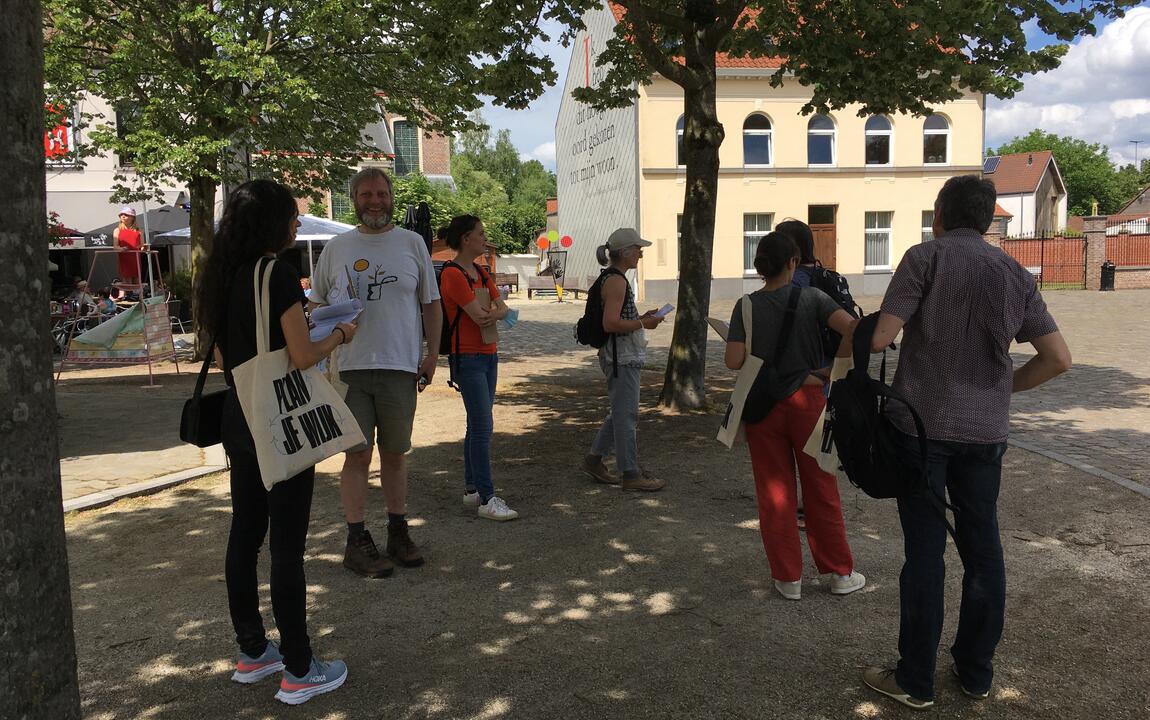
x=624, y=238
x=128, y=210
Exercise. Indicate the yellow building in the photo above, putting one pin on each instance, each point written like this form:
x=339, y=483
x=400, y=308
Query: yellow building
x=865, y=184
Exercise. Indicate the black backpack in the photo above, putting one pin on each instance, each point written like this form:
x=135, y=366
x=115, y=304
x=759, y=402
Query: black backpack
x=839, y=290
x=449, y=334
x=862, y=433
x=589, y=329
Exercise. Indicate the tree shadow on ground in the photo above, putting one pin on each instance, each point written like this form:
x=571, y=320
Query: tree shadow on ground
x=600, y=603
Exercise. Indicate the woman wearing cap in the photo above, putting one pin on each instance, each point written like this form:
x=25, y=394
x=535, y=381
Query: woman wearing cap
x=621, y=359
x=127, y=237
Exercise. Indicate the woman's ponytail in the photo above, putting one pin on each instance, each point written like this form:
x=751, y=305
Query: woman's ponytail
x=602, y=254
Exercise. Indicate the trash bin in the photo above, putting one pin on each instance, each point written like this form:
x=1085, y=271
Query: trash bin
x=1107, y=276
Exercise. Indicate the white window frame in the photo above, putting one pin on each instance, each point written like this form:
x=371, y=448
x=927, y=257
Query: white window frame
x=833, y=133
x=876, y=216
x=755, y=234
x=888, y=133
x=768, y=133
x=680, y=147
x=927, y=225
x=935, y=132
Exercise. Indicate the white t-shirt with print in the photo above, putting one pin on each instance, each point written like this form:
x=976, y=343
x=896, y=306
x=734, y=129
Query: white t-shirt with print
x=392, y=274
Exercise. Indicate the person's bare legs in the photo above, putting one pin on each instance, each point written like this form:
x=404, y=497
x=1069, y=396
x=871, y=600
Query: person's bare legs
x=353, y=484
x=361, y=556
x=393, y=478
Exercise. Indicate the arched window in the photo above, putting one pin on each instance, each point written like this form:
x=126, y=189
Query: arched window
x=680, y=155
x=820, y=141
x=757, y=149
x=936, y=141
x=878, y=134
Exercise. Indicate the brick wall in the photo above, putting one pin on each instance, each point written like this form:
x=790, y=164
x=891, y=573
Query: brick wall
x=436, y=158
x=1132, y=278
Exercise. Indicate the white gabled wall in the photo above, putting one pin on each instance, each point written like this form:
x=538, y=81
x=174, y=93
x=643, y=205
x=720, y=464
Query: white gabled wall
x=595, y=155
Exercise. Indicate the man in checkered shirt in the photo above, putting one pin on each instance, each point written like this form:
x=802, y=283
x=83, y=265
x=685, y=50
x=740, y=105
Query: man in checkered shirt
x=959, y=302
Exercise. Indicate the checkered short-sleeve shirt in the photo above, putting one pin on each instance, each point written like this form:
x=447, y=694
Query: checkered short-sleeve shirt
x=963, y=302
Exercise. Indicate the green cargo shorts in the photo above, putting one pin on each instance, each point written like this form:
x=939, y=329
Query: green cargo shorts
x=383, y=403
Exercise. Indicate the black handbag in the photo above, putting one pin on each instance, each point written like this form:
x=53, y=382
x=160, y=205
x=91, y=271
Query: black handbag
x=201, y=422
x=766, y=391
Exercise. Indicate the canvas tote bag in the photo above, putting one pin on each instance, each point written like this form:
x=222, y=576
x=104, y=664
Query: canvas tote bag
x=731, y=430
x=824, y=452
x=295, y=416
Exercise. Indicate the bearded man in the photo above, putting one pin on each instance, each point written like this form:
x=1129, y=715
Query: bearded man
x=389, y=270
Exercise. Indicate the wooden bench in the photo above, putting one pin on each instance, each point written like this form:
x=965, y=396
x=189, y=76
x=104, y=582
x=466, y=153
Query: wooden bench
x=575, y=286
x=508, y=280
x=544, y=284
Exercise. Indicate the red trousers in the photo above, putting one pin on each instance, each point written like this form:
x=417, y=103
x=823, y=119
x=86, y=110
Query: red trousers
x=776, y=445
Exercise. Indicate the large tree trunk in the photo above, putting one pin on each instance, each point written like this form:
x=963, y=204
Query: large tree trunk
x=683, y=384
x=203, y=199
x=37, y=647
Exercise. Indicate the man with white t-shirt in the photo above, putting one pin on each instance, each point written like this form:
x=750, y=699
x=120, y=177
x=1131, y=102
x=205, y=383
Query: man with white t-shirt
x=390, y=271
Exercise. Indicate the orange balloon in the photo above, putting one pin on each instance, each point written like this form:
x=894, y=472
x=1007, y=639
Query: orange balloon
x=542, y=242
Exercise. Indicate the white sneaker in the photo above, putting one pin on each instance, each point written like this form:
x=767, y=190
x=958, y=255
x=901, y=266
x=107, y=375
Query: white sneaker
x=790, y=590
x=471, y=499
x=496, y=509
x=847, y=584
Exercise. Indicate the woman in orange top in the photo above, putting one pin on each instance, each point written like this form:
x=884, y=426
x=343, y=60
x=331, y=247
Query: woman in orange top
x=127, y=237
x=476, y=362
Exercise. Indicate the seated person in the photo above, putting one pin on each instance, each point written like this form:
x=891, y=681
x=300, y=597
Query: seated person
x=83, y=301
x=105, y=305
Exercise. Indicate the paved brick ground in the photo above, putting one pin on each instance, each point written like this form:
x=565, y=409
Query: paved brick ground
x=1097, y=414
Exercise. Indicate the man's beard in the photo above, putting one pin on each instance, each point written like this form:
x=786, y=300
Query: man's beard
x=374, y=220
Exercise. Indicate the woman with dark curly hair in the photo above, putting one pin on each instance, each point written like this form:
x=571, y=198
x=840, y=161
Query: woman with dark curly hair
x=259, y=222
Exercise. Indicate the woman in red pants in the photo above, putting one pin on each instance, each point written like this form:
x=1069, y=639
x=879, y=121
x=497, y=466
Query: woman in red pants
x=776, y=443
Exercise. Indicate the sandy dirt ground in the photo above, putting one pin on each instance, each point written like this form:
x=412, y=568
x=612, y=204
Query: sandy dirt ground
x=598, y=603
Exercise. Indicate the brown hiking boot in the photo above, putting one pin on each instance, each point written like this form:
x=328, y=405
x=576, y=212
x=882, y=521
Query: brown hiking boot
x=362, y=557
x=400, y=547
x=595, y=468
x=641, y=480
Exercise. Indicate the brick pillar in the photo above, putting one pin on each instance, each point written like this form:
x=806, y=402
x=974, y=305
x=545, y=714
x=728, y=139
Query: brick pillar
x=1094, y=227
x=993, y=236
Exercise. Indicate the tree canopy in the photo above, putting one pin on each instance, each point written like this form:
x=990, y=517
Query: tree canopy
x=1086, y=169
x=221, y=91
x=886, y=56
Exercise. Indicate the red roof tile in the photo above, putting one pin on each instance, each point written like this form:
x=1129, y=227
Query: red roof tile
x=1020, y=172
x=552, y=206
x=722, y=60
x=999, y=211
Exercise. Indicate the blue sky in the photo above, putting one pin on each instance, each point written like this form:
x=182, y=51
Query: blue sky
x=1100, y=93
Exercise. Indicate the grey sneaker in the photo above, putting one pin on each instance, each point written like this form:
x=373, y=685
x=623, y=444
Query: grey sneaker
x=976, y=695
x=321, y=678
x=641, y=480
x=883, y=681
x=598, y=472
x=250, y=669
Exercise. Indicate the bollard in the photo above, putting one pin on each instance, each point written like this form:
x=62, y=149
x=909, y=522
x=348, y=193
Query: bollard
x=1107, y=276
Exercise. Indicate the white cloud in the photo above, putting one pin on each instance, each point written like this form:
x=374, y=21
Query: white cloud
x=1100, y=93
x=544, y=153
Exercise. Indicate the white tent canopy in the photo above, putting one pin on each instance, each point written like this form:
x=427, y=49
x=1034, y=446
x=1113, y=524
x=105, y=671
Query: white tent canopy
x=311, y=229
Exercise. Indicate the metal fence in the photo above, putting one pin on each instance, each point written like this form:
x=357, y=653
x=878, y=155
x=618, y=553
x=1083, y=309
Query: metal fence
x=1055, y=262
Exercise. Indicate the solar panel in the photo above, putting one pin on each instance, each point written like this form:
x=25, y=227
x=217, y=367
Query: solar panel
x=990, y=164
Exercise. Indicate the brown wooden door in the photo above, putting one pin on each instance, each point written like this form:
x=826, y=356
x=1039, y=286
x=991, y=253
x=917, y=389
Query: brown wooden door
x=826, y=244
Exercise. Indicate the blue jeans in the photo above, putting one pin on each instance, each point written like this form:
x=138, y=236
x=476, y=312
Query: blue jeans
x=970, y=473
x=476, y=375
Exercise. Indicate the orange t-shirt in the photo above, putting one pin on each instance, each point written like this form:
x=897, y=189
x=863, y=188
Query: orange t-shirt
x=456, y=289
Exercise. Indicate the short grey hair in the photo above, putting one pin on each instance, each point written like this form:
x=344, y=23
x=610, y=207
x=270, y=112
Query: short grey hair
x=369, y=173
